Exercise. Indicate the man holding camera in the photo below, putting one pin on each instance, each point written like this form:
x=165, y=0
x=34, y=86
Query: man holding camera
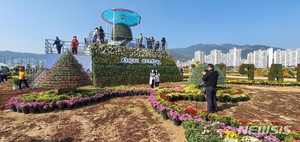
x=210, y=77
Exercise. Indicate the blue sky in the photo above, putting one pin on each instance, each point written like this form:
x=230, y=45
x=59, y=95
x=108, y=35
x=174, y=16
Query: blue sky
x=25, y=24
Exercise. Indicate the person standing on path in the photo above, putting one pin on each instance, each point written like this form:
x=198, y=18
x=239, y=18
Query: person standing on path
x=101, y=34
x=210, y=77
x=151, y=80
x=141, y=40
x=95, y=34
x=3, y=74
x=74, y=45
x=23, y=78
x=156, y=47
x=157, y=75
x=58, y=45
x=163, y=43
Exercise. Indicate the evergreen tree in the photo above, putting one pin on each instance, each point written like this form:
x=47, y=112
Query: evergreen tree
x=65, y=73
x=196, y=75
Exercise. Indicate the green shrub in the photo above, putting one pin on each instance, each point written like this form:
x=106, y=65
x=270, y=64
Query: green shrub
x=53, y=96
x=15, y=81
x=201, y=132
x=247, y=69
x=196, y=75
x=276, y=73
x=222, y=67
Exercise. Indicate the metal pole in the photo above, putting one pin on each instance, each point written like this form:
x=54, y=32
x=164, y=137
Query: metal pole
x=106, y=28
x=114, y=26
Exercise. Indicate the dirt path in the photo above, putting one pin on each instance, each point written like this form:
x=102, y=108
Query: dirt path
x=266, y=105
x=127, y=119
x=131, y=119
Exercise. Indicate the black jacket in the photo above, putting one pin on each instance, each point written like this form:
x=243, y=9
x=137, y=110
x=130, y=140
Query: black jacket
x=211, y=78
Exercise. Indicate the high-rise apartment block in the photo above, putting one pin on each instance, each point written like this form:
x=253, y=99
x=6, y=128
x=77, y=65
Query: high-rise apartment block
x=260, y=58
x=233, y=58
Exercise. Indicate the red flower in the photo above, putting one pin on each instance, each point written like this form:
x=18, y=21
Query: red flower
x=191, y=111
x=277, y=123
x=243, y=122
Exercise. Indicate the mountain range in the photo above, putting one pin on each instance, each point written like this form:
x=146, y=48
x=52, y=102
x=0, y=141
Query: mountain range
x=13, y=55
x=181, y=54
x=188, y=53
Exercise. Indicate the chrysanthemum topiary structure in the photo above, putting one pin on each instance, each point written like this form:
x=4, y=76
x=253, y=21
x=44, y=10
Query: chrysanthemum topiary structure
x=276, y=73
x=247, y=69
x=121, y=32
x=196, y=75
x=109, y=68
x=65, y=73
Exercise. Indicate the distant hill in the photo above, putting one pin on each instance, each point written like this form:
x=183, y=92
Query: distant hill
x=13, y=55
x=184, y=54
x=176, y=56
x=181, y=54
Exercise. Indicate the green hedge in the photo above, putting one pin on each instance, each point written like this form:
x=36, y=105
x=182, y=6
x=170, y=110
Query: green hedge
x=247, y=69
x=222, y=67
x=108, y=70
x=196, y=75
x=276, y=72
x=263, y=82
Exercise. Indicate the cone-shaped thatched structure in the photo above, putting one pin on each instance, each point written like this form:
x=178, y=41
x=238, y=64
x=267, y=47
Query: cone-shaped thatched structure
x=65, y=73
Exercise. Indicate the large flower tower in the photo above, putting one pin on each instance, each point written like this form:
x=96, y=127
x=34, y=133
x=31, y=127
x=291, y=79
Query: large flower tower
x=66, y=73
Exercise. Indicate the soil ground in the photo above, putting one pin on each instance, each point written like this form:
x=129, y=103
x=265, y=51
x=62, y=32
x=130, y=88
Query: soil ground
x=131, y=119
x=266, y=105
x=126, y=119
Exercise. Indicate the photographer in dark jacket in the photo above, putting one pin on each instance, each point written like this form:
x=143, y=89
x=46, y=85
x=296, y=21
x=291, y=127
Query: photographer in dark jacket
x=210, y=77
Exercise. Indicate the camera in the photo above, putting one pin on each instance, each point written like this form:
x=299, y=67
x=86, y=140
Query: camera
x=205, y=70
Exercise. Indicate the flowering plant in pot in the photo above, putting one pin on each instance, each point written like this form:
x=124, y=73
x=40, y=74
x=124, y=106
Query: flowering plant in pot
x=61, y=104
x=15, y=82
x=163, y=111
x=11, y=104
x=175, y=116
x=24, y=106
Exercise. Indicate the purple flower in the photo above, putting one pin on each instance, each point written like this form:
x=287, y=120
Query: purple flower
x=179, y=88
x=230, y=128
x=185, y=116
x=198, y=118
x=161, y=107
x=271, y=138
x=174, y=114
x=241, y=130
x=258, y=135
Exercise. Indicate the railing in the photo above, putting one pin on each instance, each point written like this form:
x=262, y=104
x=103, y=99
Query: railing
x=134, y=43
x=50, y=49
x=84, y=49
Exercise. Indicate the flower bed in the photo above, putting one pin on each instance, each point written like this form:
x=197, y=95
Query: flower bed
x=51, y=101
x=198, y=125
x=204, y=126
x=223, y=95
x=263, y=82
x=218, y=132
